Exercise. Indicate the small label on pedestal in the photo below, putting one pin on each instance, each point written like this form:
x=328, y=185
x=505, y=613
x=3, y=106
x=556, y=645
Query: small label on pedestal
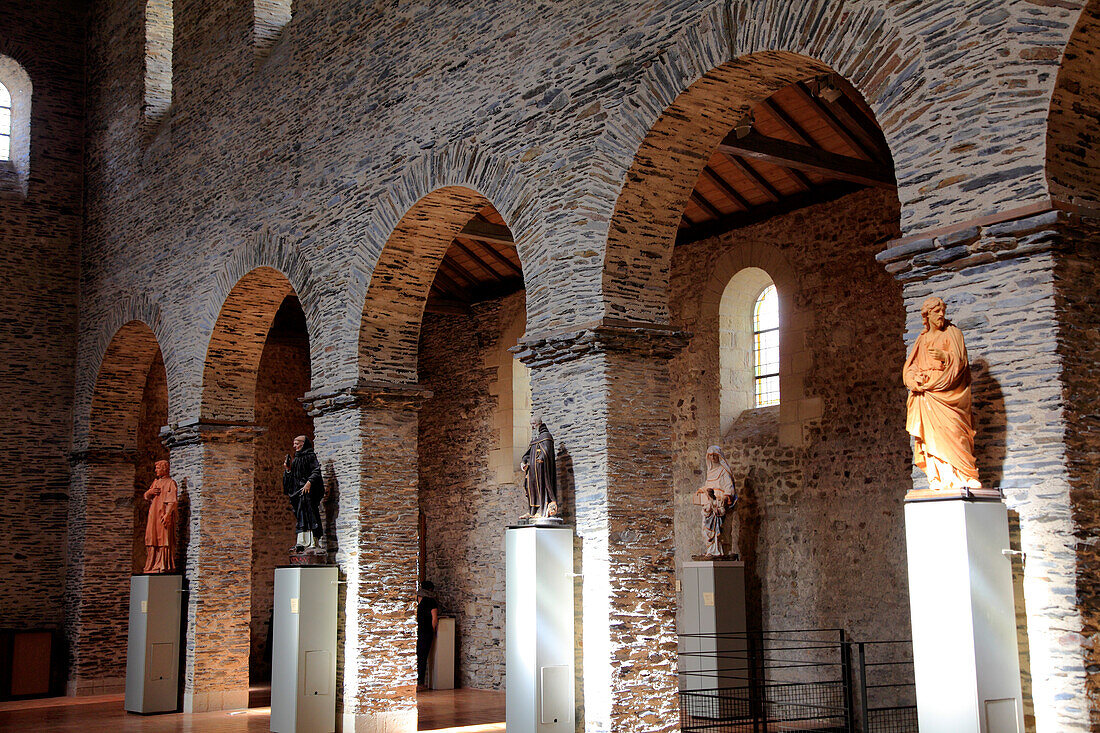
x=294, y=605
x=145, y=606
x=708, y=599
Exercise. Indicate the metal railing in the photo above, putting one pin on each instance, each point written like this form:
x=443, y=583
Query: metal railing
x=801, y=680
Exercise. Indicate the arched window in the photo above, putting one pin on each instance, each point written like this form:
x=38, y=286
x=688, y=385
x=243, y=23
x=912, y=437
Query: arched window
x=158, y=61
x=736, y=343
x=15, y=126
x=268, y=20
x=5, y=123
x=765, y=347
x=512, y=390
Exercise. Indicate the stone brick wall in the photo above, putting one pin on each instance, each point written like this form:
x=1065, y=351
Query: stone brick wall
x=282, y=381
x=39, y=263
x=466, y=506
x=819, y=521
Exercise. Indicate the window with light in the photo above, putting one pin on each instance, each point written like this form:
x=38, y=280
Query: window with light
x=5, y=123
x=765, y=347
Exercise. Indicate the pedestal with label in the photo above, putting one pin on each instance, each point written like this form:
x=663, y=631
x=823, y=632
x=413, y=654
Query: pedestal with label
x=303, y=655
x=441, y=660
x=152, y=651
x=539, y=641
x=712, y=624
x=965, y=658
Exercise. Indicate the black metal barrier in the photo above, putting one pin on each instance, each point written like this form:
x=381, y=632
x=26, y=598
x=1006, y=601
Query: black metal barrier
x=801, y=680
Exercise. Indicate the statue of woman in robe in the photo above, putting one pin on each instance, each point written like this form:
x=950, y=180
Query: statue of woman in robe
x=938, y=415
x=160, y=529
x=716, y=497
x=540, y=473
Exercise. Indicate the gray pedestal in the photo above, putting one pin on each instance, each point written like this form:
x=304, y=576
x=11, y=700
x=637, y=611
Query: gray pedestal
x=965, y=658
x=303, y=655
x=152, y=652
x=441, y=660
x=539, y=641
x=713, y=604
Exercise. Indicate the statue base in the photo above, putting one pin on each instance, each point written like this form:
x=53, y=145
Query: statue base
x=310, y=556
x=540, y=522
x=951, y=494
x=732, y=557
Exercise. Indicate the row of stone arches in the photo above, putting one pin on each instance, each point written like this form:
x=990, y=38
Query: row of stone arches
x=623, y=551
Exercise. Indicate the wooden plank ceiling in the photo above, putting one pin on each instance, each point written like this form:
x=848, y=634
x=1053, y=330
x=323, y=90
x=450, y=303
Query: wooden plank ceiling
x=811, y=141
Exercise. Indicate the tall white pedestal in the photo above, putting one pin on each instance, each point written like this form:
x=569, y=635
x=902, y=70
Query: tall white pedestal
x=152, y=651
x=965, y=657
x=303, y=654
x=713, y=604
x=539, y=642
x=441, y=660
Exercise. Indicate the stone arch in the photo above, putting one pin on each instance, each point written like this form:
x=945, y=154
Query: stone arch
x=643, y=227
x=129, y=311
x=121, y=378
x=393, y=307
x=1073, y=127
x=237, y=341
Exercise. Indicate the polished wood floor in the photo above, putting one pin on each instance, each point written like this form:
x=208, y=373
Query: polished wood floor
x=442, y=711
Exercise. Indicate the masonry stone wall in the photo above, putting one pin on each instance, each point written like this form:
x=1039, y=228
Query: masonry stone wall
x=466, y=507
x=39, y=263
x=282, y=380
x=819, y=520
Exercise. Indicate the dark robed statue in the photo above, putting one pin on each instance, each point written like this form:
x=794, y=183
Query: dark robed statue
x=540, y=473
x=303, y=484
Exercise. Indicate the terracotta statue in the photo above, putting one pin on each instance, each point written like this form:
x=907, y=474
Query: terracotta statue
x=716, y=497
x=540, y=473
x=303, y=485
x=160, y=529
x=937, y=374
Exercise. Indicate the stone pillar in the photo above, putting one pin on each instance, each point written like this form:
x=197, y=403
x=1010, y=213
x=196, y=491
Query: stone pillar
x=604, y=393
x=1001, y=281
x=213, y=465
x=97, y=584
x=366, y=436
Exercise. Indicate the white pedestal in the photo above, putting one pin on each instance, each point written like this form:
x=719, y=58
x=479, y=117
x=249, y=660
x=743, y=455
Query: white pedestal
x=441, y=660
x=539, y=641
x=152, y=651
x=965, y=658
x=713, y=603
x=303, y=655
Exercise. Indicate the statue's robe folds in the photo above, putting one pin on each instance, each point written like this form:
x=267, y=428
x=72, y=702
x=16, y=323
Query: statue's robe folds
x=305, y=467
x=542, y=473
x=160, y=527
x=939, y=418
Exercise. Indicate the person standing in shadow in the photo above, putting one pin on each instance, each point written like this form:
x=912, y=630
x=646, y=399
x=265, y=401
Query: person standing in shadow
x=427, y=621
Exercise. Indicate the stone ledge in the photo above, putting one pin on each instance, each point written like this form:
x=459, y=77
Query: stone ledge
x=365, y=395
x=638, y=338
x=178, y=436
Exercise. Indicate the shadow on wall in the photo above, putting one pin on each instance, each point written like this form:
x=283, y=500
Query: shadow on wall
x=991, y=424
x=749, y=515
x=1020, y=603
x=331, y=504
x=567, y=490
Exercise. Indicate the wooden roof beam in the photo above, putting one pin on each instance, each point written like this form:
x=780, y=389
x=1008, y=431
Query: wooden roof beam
x=850, y=139
x=496, y=255
x=462, y=272
x=446, y=285
x=802, y=157
x=753, y=175
x=727, y=190
x=705, y=205
x=484, y=231
x=478, y=261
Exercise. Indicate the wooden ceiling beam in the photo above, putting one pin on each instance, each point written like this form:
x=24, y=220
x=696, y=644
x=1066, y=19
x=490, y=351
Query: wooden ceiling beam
x=445, y=284
x=460, y=271
x=821, y=194
x=850, y=139
x=484, y=231
x=478, y=261
x=498, y=256
x=802, y=157
x=705, y=205
x=446, y=306
x=727, y=190
x=753, y=175
x=788, y=123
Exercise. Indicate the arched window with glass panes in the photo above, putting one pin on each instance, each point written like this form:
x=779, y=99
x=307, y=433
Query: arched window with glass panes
x=5, y=123
x=15, y=126
x=765, y=348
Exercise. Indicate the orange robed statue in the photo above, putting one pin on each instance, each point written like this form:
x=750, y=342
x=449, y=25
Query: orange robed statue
x=937, y=374
x=160, y=530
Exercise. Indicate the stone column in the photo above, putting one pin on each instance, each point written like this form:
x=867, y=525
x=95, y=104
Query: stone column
x=366, y=436
x=1003, y=282
x=604, y=393
x=213, y=465
x=97, y=584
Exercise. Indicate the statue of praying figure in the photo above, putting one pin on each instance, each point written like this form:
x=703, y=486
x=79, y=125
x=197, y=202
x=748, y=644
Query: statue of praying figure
x=160, y=529
x=540, y=473
x=304, y=486
x=716, y=497
x=937, y=374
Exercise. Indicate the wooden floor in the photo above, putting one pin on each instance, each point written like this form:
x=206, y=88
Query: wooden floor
x=443, y=711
